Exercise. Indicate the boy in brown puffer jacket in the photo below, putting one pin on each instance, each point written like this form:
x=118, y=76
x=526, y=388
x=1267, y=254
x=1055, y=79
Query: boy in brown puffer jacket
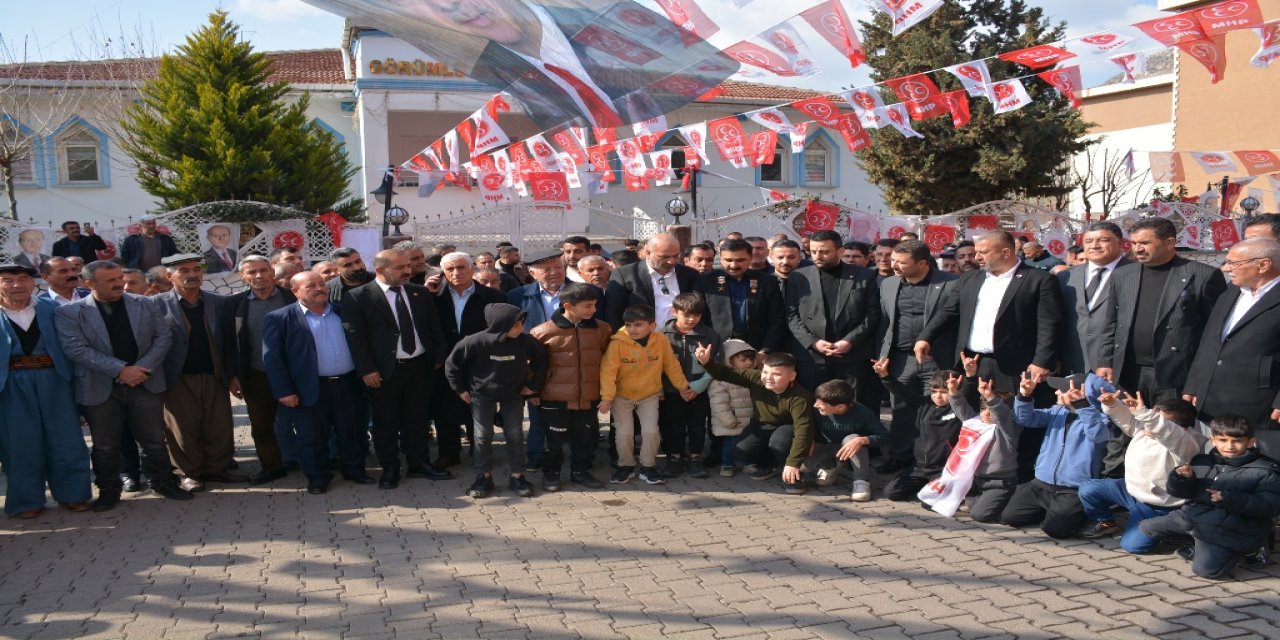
x=575, y=343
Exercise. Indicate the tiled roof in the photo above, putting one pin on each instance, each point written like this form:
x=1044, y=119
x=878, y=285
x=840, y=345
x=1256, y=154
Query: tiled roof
x=315, y=66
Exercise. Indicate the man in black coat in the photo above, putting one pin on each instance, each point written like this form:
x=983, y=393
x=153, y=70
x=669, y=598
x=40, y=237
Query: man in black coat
x=460, y=307
x=394, y=333
x=1010, y=315
x=351, y=273
x=908, y=301
x=1237, y=367
x=654, y=281
x=741, y=303
x=86, y=245
x=832, y=310
x=1160, y=308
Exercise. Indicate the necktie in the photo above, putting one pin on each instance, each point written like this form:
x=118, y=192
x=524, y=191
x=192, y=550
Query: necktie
x=226, y=259
x=603, y=114
x=407, y=341
x=662, y=282
x=1091, y=288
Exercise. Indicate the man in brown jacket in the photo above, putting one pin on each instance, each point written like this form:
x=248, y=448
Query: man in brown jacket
x=576, y=343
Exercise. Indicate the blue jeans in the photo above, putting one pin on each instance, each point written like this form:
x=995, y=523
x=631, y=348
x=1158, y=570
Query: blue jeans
x=1097, y=497
x=727, y=446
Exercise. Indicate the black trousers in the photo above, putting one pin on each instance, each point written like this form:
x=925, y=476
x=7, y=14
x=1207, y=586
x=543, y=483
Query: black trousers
x=143, y=413
x=333, y=413
x=1055, y=508
x=576, y=428
x=683, y=423
x=400, y=416
x=1029, y=440
x=902, y=428
x=765, y=446
x=905, y=487
x=451, y=417
x=1210, y=560
x=990, y=497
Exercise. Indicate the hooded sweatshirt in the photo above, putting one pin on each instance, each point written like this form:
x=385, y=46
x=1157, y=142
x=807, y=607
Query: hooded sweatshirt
x=490, y=364
x=634, y=371
x=731, y=405
x=939, y=428
x=1072, y=448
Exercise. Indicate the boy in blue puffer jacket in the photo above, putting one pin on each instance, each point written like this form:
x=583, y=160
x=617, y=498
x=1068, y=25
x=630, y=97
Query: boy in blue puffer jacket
x=1075, y=432
x=1233, y=498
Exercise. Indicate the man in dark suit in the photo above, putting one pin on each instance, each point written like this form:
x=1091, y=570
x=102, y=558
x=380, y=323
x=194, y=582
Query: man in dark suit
x=246, y=313
x=314, y=378
x=118, y=342
x=741, y=303
x=86, y=245
x=908, y=301
x=1237, y=367
x=220, y=257
x=145, y=249
x=1086, y=290
x=1160, y=307
x=197, y=407
x=832, y=310
x=654, y=281
x=460, y=305
x=394, y=336
x=1008, y=314
x=351, y=272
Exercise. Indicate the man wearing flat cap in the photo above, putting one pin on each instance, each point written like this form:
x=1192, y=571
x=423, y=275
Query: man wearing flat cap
x=40, y=441
x=197, y=405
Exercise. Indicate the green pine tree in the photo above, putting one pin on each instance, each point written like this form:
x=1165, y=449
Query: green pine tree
x=212, y=127
x=1021, y=154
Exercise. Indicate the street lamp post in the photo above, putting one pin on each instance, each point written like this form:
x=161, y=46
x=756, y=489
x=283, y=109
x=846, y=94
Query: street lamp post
x=1249, y=204
x=384, y=195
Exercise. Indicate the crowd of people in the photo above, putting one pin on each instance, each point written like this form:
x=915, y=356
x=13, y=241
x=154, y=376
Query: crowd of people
x=1020, y=389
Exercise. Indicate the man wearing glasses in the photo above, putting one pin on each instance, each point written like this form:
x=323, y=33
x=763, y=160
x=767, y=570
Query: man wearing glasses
x=654, y=281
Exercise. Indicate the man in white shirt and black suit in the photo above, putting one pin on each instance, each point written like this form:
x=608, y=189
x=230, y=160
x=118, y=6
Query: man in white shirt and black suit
x=654, y=281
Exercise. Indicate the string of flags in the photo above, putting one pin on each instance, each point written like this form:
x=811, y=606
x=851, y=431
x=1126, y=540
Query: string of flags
x=547, y=165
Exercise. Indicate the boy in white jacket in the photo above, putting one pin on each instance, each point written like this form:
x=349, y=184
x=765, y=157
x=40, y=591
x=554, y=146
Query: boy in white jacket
x=1160, y=444
x=731, y=405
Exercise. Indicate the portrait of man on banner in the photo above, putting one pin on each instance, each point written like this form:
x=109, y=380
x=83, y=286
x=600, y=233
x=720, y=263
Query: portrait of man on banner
x=603, y=63
x=220, y=244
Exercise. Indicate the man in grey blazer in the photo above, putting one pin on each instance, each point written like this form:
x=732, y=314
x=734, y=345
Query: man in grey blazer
x=908, y=300
x=118, y=342
x=197, y=403
x=833, y=309
x=1086, y=291
x=1160, y=309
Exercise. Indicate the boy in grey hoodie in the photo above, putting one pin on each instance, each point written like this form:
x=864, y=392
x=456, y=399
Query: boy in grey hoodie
x=493, y=371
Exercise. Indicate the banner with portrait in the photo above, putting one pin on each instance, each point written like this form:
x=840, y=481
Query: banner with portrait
x=220, y=245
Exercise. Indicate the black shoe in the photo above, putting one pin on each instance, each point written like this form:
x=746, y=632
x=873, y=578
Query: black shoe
x=1100, y=529
x=650, y=475
x=293, y=465
x=623, y=475
x=674, y=468
x=585, y=479
x=764, y=473
x=105, y=502
x=551, y=481
x=317, y=489
x=429, y=472
x=130, y=484
x=482, y=487
x=696, y=469
x=264, y=476
x=521, y=487
x=225, y=478
x=1258, y=559
x=233, y=465
x=793, y=488
x=1187, y=553
x=389, y=480
x=173, y=492
x=446, y=461
x=364, y=479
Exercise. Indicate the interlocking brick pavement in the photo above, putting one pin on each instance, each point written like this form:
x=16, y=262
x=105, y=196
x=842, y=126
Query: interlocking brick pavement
x=714, y=558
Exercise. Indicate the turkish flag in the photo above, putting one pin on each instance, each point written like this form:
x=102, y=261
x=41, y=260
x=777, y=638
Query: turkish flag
x=1229, y=16
x=938, y=236
x=1257, y=163
x=1066, y=80
x=917, y=92
x=821, y=109
x=763, y=146
x=1038, y=57
x=1210, y=52
x=549, y=186
x=1225, y=234
x=333, y=222
x=729, y=137
x=831, y=22
x=820, y=216
x=957, y=104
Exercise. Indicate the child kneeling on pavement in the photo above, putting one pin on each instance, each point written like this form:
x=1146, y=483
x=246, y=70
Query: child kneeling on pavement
x=782, y=429
x=1233, y=498
x=843, y=431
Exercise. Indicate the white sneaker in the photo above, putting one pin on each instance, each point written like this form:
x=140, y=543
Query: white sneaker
x=861, y=491
x=827, y=477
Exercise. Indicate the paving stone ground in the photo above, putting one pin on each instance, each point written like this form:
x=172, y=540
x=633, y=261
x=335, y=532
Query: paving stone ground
x=714, y=558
